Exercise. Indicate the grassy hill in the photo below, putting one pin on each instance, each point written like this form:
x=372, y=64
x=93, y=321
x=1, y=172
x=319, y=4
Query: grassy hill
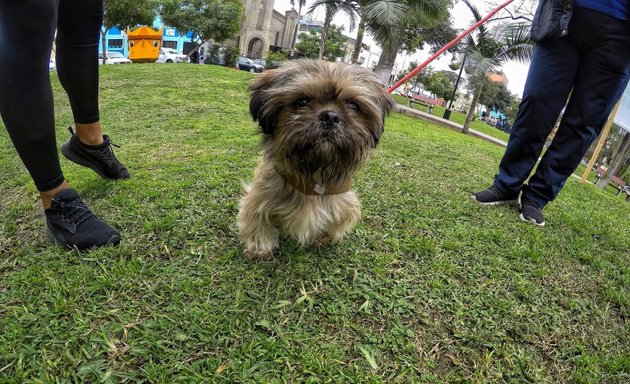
x=430, y=287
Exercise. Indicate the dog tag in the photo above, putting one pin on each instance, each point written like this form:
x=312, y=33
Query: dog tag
x=319, y=189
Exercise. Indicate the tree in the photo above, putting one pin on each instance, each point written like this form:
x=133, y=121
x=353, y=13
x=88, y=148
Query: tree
x=440, y=85
x=216, y=20
x=275, y=59
x=486, y=50
x=522, y=10
x=452, y=76
x=502, y=99
x=336, y=44
x=310, y=43
x=332, y=7
x=126, y=13
x=487, y=93
x=230, y=55
x=512, y=109
x=407, y=26
x=358, y=42
x=421, y=77
x=301, y=3
x=496, y=96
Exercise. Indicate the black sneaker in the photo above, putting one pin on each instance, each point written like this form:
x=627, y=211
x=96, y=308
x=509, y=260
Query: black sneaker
x=99, y=158
x=492, y=196
x=71, y=224
x=531, y=213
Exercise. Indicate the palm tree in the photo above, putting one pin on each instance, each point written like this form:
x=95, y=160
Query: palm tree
x=301, y=3
x=487, y=49
x=332, y=7
x=360, y=33
x=389, y=21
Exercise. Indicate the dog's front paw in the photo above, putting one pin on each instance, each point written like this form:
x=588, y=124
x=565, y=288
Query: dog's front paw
x=257, y=250
x=323, y=241
x=257, y=254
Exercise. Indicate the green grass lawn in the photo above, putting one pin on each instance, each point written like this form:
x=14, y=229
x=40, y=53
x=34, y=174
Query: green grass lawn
x=459, y=118
x=430, y=287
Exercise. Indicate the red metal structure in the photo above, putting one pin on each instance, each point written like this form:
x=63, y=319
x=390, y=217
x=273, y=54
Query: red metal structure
x=447, y=46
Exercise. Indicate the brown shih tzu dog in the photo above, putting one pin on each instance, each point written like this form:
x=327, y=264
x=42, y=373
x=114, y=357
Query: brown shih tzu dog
x=319, y=121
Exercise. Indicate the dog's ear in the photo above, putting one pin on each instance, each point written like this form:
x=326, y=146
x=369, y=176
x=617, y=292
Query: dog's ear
x=386, y=103
x=385, y=100
x=261, y=102
x=259, y=111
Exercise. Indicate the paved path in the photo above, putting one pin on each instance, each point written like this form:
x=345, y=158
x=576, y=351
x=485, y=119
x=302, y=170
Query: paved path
x=447, y=123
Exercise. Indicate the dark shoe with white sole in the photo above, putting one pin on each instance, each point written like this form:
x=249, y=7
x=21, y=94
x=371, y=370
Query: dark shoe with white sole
x=71, y=224
x=100, y=158
x=492, y=196
x=531, y=212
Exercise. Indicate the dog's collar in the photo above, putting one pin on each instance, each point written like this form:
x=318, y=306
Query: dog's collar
x=310, y=187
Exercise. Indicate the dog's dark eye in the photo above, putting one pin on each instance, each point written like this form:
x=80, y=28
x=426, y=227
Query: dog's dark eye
x=352, y=105
x=303, y=102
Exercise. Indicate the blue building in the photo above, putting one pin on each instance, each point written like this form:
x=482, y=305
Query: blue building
x=116, y=40
x=497, y=115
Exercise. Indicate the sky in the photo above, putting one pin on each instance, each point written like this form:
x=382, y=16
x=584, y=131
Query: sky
x=462, y=18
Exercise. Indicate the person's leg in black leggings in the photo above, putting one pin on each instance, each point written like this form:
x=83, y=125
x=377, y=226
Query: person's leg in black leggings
x=77, y=63
x=77, y=41
x=78, y=35
x=27, y=29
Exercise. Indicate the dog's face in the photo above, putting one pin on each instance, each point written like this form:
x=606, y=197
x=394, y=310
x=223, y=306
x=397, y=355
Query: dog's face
x=319, y=117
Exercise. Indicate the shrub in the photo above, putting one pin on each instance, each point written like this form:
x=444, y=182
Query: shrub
x=214, y=54
x=275, y=59
x=230, y=56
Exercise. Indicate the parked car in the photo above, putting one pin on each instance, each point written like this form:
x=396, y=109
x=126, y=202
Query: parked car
x=268, y=64
x=169, y=55
x=246, y=64
x=113, y=58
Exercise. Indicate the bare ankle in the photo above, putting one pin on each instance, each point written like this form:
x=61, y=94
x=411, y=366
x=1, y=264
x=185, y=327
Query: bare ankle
x=48, y=195
x=90, y=134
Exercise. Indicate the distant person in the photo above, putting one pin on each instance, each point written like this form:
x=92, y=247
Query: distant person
x=430, y=109
x=582, y=54
x=194, y=57
x=27, y=30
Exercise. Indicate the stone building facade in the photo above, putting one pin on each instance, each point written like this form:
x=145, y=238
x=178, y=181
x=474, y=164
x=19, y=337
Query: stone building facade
x=265, y=29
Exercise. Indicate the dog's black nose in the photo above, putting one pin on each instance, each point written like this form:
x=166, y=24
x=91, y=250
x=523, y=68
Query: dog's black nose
x=330, y=118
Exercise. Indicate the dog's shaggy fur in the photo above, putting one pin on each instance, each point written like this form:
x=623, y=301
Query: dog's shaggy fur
x=319, y=121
